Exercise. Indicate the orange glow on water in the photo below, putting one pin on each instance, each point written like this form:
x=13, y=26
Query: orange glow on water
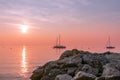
x=24, y=62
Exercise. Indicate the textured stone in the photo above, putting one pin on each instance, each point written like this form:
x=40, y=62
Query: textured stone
x=84, y=76
x=81, y=65
x=110, y=71
x=63, y=77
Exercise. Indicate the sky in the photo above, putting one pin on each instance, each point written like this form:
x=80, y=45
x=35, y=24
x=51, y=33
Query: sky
x=81, y=23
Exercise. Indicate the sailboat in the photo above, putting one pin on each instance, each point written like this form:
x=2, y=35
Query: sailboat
x=58, y=45
x=109, y=45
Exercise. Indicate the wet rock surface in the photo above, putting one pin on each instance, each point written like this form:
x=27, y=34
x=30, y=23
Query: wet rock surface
x=80, y=65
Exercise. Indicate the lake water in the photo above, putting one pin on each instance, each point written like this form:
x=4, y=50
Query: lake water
x=18, y=62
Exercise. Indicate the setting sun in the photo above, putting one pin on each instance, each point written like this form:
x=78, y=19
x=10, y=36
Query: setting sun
x=24, y=28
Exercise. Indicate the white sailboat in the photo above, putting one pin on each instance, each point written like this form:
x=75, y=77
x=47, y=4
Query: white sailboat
x=109, y=45
x=58, y=44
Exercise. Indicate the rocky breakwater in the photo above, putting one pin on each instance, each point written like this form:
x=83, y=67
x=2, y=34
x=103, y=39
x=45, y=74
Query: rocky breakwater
x=80, y=65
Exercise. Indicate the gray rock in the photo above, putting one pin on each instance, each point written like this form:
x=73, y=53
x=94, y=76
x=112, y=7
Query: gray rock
x=50, y=65
x=69, y=53
x=113, y=78
x=71, y=70
x=108, y=78
x=77, y=60
x=66, y=62
x=100, y=78
x=52, y=74
x=110, y=71
x=112, y=56
x=37, y=74
x=95, y=60
x=117, y=65
x=79, y=68
x=81, y=65
x=75, y=52
x=84, y=76
x=66, y=54
x=89, y=69
x=63, y=77
x=70, y=61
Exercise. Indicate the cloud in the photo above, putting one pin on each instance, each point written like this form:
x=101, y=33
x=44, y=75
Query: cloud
x=52, y=10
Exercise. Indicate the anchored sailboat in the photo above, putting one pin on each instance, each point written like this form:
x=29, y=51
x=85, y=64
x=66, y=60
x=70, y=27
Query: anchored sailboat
x=58, y=44
x=109, y=45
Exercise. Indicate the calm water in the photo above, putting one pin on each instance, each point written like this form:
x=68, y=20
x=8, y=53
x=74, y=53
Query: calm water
x=18, y=62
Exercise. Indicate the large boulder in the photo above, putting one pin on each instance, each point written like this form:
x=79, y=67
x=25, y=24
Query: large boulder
x=71, y=70
x=110, y=70
x=69, y=53
x=37, y=74
x=112, y=56
x=71, y=61
x=66, y=62
x=89, y=69
x=84, y=76
x=65, y=54
x=95, y=60
x=50, y=65
x=52, y=74
x=63, y=77
x=108, y=78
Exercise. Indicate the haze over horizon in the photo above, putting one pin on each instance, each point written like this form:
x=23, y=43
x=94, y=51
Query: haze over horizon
x=80, y=22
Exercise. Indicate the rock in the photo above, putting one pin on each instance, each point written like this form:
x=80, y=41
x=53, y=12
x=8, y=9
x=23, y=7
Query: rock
x=112, y=56
x=50, y=65
x=84, y=76
x=37, y=74
x=110, y=71
x=63, y=77
x=66, y=62
x=75, y=52
x=77, y=60
x=52, y=74
x=88, y=69
x=117, y=65
x=66, y=54
x=95, y=60
x=79, y=68
x=113, y=78
x=108, y=78
x=69, y=53
x=81, y=65
x=100, y=78
x=71, y=61
x=71, y=70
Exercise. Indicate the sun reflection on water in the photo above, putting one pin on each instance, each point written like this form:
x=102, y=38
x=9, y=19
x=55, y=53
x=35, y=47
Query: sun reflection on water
x=24, y=62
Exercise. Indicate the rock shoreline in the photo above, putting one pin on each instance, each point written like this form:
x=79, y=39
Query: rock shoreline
x=80, y=65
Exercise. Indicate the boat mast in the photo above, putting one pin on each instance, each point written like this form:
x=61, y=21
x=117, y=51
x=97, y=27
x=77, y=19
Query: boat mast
x=59, y=40
x=109, y=43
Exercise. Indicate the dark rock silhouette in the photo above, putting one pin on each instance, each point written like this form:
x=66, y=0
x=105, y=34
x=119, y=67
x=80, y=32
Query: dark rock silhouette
x=80, y=65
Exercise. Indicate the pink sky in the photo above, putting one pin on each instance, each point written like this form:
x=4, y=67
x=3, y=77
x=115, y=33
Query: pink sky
x=81, y=23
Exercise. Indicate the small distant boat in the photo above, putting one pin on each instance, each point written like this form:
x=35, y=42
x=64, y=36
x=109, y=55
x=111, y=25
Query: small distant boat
x=58, y=44
x=109, y=45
